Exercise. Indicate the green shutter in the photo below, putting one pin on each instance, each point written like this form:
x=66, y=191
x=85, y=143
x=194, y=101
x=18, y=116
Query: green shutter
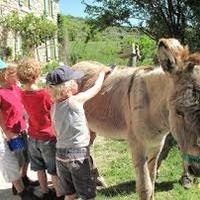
x=20, y=2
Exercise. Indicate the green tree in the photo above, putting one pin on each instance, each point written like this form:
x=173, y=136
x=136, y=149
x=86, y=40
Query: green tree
x=63, y=39
x=156, y=18
x=12, y=23
x=33, y=30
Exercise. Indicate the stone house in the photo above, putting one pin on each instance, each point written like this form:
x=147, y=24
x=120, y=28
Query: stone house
x=47, y=51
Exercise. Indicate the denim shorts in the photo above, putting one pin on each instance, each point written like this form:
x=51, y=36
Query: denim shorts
x=74, y=169
x=42, y=155
x=23, y=155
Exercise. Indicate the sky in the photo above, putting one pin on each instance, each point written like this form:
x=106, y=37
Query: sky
x=72, y=7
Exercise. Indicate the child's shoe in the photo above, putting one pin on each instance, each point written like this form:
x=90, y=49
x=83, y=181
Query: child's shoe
x=27, y=195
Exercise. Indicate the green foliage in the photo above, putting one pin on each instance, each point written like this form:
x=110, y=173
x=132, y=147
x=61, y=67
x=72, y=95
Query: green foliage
x=33, y=30
x=104, y=52
x=50, y=66
x=77, y=28
x=148, y=50
x=104, y=46
x=8, y=52
x=12, y=22
x=157, y=19
x=107, y=52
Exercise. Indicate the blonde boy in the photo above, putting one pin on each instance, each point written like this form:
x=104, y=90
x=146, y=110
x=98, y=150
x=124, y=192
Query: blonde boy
x=73, y=137
x=42, y=140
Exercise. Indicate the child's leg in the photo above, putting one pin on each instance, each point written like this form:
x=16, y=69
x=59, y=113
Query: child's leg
x=70, y=197
x=48, y=152
x=37, y=163
x=11, y=172
x=26, y=160
x=18, y=185
x=9, y=164
x=56, y=185
x=42, y=178
x=65, y=178
x=81, y=173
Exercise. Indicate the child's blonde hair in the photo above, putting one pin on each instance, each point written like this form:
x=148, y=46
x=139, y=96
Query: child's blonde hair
x=63, y=91
x=8, y=71
x=28, y=70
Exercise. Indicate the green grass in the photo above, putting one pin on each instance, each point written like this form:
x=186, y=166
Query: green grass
x=114, y=162
x=105, y=52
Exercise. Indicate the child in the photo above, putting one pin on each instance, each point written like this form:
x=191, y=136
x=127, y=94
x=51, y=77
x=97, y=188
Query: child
x=12, y=123
x=72, y=147
x=42, y=139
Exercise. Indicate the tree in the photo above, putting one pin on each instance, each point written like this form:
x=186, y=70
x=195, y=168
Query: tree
x=11, y=23
x=63, y=38
x=156, y=18
x=33, y=30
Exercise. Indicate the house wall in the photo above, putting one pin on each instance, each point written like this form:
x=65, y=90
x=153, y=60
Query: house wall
x=46, y=51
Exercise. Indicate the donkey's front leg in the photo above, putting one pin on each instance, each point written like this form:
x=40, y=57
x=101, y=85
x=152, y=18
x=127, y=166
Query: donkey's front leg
x=152, y=156
x=152, y=165
x=144, y=184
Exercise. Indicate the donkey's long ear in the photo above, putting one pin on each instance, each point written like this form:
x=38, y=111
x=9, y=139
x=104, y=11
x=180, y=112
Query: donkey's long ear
x=170, y=54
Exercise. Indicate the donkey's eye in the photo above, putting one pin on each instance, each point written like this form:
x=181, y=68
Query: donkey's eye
x=180, y=113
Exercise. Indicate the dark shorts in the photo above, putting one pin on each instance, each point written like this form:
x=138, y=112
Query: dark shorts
x=23, y=154
x=42, y=155
x=74, y=169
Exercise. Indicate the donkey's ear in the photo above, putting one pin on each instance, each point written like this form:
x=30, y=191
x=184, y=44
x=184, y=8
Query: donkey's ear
x=169, y=54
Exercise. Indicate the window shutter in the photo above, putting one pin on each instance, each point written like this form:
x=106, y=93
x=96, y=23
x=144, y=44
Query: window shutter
x=20, y=2
x=29, y=4
x=45, y=7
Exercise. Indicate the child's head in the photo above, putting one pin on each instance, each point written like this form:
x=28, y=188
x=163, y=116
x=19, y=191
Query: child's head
x=63, y=90
x=8, y=74
x=28, y=71
x=62, y=82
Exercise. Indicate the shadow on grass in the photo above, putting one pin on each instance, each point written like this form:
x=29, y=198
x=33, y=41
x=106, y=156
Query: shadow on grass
x=122, y=188
x=165, y=186
x=129, y=187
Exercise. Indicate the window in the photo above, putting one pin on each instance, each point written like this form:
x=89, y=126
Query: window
x=52, y=49
x=48, y=8
x=26, y=3
x=51, y=8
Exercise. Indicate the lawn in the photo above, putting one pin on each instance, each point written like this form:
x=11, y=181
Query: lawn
x=113, y=159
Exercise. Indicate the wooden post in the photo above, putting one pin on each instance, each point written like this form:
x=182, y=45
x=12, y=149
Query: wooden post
x=134, y=56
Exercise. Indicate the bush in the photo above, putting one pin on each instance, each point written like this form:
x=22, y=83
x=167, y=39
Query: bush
x=50, y=66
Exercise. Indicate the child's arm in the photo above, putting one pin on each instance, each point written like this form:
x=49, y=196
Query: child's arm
x=52, y=110
x=82, y=97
